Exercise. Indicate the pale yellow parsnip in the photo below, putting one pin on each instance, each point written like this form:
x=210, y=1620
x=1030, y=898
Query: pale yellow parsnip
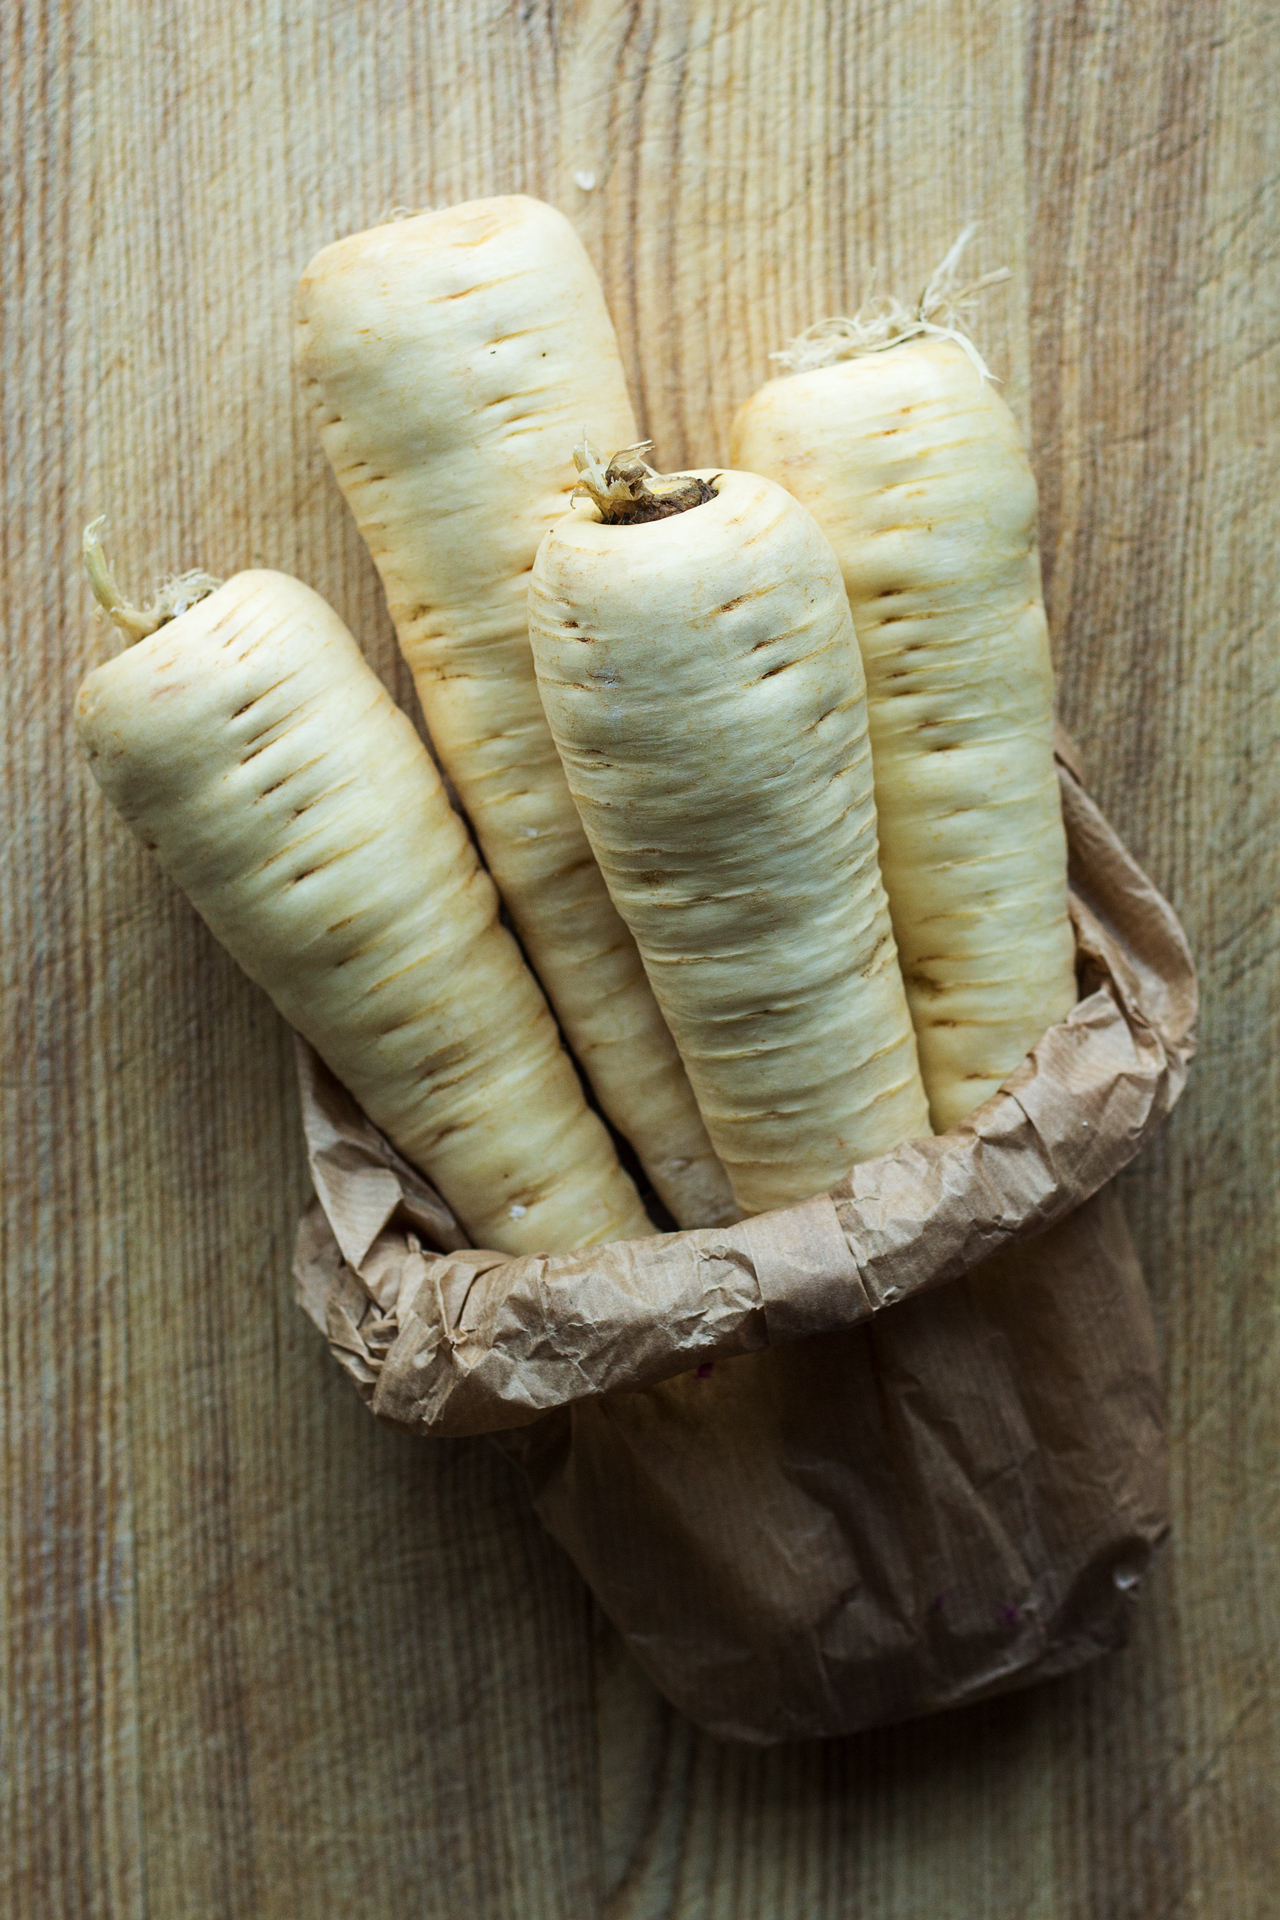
x=915, y=469
x=252, y=748
x=703, y=684
x=451, y=360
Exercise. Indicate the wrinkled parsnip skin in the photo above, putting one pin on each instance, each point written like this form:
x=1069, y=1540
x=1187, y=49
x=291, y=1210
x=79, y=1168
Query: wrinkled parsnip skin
x=252, y=748
x=451, y=361
x=915, y=470
x=703, y=684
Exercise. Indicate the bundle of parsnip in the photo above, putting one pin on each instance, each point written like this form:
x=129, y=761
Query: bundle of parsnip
x=650, y=696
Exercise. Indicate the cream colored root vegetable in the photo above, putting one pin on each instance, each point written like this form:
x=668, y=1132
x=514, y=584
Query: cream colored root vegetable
x=914, y=468
x=450, y=360
x=703, y=685
x=250, y=746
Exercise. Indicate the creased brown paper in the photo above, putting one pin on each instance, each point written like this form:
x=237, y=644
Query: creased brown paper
x=799, y=1534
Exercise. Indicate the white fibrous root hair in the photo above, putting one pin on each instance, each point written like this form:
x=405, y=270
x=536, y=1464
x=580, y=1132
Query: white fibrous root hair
x=626, y=490
x=172, y=596
x=944, y=311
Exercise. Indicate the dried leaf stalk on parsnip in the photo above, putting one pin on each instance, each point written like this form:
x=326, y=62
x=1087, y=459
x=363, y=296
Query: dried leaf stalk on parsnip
x=889, y=429
x=449, y=359
x=700, y=674
x=245, y=740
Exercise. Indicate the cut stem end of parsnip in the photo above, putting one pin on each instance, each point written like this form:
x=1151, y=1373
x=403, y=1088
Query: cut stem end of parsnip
x=944, y=311
x=627, y=491
x=172, y=597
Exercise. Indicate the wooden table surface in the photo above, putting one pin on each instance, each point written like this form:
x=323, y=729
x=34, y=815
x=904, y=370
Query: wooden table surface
x=262, y=1660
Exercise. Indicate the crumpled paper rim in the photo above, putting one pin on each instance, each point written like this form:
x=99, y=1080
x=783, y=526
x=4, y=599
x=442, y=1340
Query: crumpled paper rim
x=445, y=1339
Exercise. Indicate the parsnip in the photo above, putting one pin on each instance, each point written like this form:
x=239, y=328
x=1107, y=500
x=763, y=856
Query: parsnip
x=450, y=359
x=249, y=745
x=914, y=468
x=703, y=685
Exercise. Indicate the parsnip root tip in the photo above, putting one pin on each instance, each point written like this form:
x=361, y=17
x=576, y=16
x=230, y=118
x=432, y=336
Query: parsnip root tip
x=944, y=311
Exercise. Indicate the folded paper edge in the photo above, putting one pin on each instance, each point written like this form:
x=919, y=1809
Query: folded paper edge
x=460, y=1341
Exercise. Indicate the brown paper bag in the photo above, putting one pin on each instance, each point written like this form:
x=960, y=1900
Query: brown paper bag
x=814, y=1487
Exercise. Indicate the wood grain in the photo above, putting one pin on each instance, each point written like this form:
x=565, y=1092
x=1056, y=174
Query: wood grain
x=1157, y=301
x=260, y=1658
